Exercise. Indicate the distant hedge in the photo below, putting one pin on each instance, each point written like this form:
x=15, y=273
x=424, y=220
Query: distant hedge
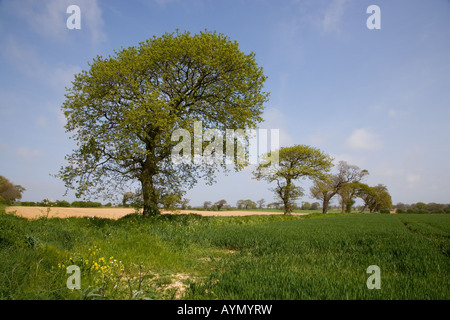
x=86, y=204
x=62, y=203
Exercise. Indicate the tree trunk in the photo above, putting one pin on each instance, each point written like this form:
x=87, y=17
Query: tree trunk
x=286, y=198
x=149, y=193
x=325, y=205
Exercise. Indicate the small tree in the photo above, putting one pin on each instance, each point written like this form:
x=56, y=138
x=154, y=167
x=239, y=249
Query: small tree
x=315, y=206
x=275, y=205
x=219, y=204
x=296, y=162
x=260, y=203
x=306, y=205
x=326, y=188
x=170, y=201
x=206, y=204
x=375, y=198
x=184, y=203
x=127, y=197
x=10, y=192
x=249, y=204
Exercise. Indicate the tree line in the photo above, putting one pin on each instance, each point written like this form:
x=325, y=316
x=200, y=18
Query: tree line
x=305, y=162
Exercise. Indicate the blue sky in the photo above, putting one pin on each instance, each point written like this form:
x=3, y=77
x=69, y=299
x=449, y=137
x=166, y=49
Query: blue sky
x=378, y=99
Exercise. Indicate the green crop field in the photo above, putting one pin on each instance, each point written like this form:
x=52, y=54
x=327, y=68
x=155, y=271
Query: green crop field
x=253, y=257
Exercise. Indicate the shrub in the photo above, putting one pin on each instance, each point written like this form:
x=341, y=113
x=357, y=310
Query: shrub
x=86, y=204
x=385, y=211
x=400, y=211
x=62, y=203
x=28, y=203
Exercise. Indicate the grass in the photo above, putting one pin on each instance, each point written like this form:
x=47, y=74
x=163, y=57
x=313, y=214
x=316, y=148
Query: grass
x=250, y=257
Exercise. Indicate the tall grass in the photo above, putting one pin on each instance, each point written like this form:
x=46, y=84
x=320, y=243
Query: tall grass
x=252, y=257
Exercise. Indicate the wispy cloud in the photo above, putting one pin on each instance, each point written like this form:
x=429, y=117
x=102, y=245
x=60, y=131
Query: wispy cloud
x=28, y=155
x=333, y=16
x=25, y=59
x=362, y=139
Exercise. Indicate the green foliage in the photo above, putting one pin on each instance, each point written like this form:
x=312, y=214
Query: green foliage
x=377, y=198
x=123, y=110
x=306, y=205
x=62, y=203
x=86, y=204
x=28, y=203
x=315, y=206
x=9, y=192
x=296, y=162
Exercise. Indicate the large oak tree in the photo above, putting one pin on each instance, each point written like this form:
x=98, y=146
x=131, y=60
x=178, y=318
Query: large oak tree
x=124, y=109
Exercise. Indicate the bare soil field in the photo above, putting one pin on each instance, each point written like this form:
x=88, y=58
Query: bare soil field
x=116, y=213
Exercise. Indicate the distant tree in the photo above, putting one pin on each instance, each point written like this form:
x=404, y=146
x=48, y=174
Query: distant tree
x=62, y=203
x=306, y=205
x=338, y=183
x=127, y=197
x=10, y=192
x=206, y=204
x=351, y=175
x=170, y=201
x=315, y=206
x=435, y=207
x=275, y=205
x=401, y=206
x=184, y=203
x=347, y=195
x=247, y=204
x=260, y=203
x=375, y=198
x=420, y=207
x=219, y=204
x=240, y=204
x=296, y=162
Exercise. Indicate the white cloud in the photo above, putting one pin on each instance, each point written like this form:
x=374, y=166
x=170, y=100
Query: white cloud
x=412, y=178
x=332, y=18
x=26, y=61
x=42, y=122
x=392, y=113
x=362, y=139
x=28, y=154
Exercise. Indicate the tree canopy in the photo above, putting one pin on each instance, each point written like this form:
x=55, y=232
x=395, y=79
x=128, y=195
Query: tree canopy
x=339, y=183
x=123, y=110
x=9, y=192
x=296, y=162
